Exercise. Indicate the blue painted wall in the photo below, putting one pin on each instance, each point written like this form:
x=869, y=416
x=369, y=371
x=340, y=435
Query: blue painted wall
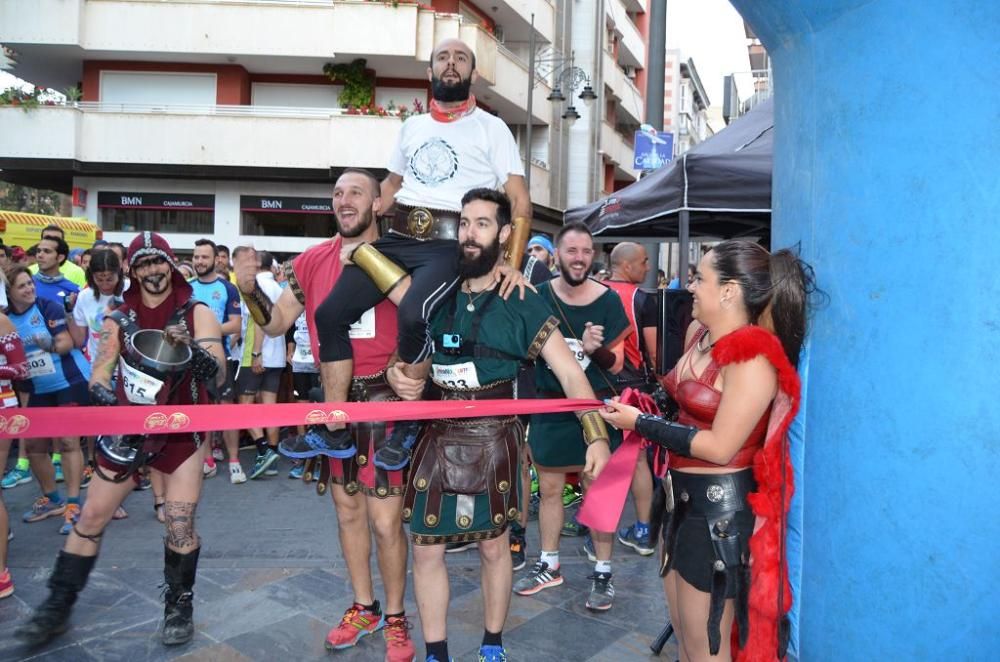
x=887, y=170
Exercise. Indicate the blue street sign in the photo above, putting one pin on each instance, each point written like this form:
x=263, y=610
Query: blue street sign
x=652, y=152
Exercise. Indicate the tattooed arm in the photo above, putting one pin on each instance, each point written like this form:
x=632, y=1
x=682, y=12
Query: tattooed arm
x=206, y=326
x=106, y=361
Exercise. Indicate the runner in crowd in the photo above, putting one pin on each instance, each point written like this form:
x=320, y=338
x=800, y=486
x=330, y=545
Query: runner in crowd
x=159, y=299
x=13, y=366
x=261, y=366
x=736, y=386
x=368, y=499
x=480, y=342
x=58, y=378
x=594, y=325
x=223, y=299
x=438, y=157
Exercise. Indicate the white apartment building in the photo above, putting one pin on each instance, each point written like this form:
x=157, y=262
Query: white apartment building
x=214, y=117
x=608, y=39
x=685, y=102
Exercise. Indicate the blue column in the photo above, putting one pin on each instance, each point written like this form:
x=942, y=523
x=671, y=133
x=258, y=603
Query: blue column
x=887, y=159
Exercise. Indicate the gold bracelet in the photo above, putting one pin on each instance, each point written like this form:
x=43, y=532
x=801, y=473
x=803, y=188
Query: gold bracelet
x=385, y=273
x=517, y=241
x=594, y=428
x=259, y=306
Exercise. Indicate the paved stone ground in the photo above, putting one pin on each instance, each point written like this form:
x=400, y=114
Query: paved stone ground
x=271, y=583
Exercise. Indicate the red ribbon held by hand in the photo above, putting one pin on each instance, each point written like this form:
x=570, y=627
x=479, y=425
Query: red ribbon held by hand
x=605, y=498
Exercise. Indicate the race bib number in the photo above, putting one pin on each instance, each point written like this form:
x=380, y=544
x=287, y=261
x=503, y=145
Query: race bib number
x=40, y=364
x=581, y=357
x=365, y=327
x=140, y=388
x=303, y=354
x=457, y=376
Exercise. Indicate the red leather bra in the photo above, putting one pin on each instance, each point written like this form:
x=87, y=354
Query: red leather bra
x=699, y=401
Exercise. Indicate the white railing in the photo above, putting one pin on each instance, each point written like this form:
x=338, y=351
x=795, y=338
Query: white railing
x=229, y=110
x=754, y=87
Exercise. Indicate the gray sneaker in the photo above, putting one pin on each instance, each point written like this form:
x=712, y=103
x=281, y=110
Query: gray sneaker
x=602, y=592
x=538, y=578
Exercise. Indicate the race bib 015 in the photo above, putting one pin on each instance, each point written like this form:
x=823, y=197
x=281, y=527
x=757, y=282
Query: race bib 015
x=140, y=388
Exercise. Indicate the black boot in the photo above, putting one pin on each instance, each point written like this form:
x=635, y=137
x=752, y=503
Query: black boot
x=178, y=571
x=51, y=618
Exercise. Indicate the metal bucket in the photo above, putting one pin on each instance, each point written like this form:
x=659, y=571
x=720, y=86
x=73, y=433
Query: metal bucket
x=150, y=352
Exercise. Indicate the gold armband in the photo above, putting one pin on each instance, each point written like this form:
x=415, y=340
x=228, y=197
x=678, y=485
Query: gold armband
x=385, y=273
x=259, y=306
x=518, y=241
x=594, y=428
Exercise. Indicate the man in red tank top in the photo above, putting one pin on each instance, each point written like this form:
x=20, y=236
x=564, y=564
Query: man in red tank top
x=629, y=266
x=366, y=498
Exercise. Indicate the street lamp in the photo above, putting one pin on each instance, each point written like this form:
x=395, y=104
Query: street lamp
x=566, y=76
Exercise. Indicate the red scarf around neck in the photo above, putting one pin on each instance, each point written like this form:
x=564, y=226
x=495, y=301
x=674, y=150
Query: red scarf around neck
x=452, y=114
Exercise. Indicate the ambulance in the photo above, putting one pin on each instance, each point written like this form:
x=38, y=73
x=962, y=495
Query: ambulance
x=24, y=229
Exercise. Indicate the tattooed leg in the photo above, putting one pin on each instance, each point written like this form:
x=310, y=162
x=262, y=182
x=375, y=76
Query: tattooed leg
x=180, y=525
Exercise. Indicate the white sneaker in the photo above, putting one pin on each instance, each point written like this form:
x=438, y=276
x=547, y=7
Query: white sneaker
x=208, y=470
x=217, y=454
x=236, y=475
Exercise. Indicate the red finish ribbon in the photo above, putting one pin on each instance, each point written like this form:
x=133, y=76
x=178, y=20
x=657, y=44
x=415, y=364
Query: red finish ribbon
x=155, y=419
x=605, y=498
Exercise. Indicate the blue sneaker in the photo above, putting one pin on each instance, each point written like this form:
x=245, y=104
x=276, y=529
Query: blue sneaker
x=263, y=463
x=16, y=477
x=43, y=508
x=70, y=517
x=59, y=472
x=641, y=544
x=434, y=658
x=395, y=453
x=319, y=441
x=297, y=471
x=588, y=548
x=492, y=654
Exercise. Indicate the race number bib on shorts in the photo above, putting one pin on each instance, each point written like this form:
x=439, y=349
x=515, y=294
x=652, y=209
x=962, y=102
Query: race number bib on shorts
x=140, y=388
x=365, y=327
x=581, y=357
x=457, y=376
x=40, y=364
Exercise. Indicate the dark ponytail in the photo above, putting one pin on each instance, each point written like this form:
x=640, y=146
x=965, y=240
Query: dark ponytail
x=775, y=288
x=105, y=259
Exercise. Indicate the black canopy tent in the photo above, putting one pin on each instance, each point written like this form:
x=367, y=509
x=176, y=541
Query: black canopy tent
x=719, y=189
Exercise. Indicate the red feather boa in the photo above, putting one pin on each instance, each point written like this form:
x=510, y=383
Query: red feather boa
x=768, y=564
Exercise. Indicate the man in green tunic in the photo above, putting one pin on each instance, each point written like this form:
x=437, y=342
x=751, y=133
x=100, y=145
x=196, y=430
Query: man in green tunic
x=463, y=481
x=594, y=325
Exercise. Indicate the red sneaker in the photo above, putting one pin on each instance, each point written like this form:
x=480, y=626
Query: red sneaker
x=356, y=623
x=7, y=585
x=398, y=645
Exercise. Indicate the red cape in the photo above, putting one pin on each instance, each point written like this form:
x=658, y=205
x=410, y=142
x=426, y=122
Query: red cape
x=769, y=565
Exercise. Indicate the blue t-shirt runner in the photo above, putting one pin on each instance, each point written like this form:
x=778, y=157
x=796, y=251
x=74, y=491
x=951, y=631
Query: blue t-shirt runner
x=222, y=297
x=49, y=371
x=57, y=288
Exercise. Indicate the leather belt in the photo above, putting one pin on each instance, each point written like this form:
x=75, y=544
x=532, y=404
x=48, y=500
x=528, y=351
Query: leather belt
x=425, y=223
x=707, y=494
x=499, y=391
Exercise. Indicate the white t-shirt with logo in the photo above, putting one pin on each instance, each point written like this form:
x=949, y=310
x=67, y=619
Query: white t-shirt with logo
x=440, y=161
x=88, y=313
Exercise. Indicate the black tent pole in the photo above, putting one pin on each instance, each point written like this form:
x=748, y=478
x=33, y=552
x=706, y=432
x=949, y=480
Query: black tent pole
x=683, y=240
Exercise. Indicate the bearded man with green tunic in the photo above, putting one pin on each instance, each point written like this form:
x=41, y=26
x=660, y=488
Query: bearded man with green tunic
x=463, y=483
x=594, y=326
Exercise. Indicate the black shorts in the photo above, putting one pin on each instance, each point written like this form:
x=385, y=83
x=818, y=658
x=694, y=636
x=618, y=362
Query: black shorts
x=250, y=383
x=75, y=395
x=302, y=382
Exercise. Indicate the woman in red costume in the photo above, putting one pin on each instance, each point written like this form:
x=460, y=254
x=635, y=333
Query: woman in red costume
x=731, y=477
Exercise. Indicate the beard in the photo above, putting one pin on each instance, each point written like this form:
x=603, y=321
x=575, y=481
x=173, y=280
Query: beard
x=564, y=268
x=474, y=267
x=363, y=224
x=450, y=92
x=204, y=270
x=155, y=283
